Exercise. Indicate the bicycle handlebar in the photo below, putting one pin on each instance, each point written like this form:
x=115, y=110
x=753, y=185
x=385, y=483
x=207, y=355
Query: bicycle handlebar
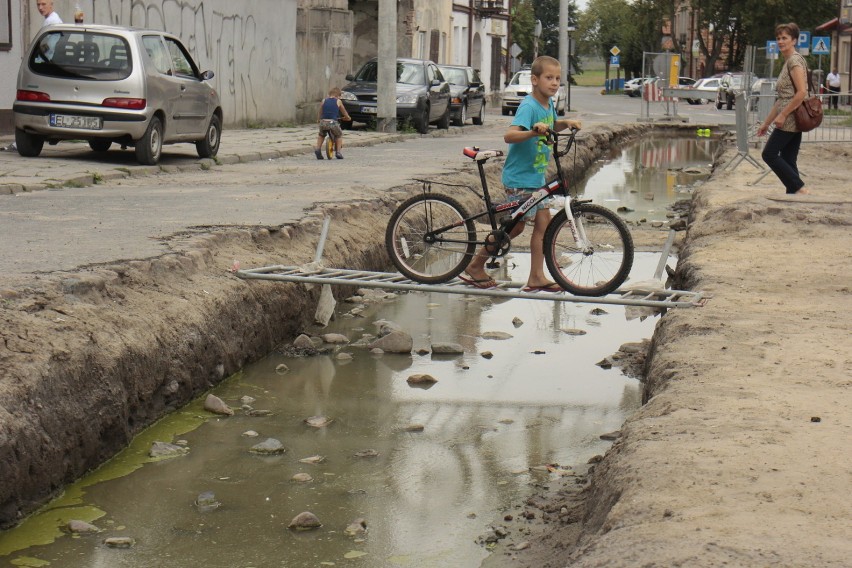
x=554, y=136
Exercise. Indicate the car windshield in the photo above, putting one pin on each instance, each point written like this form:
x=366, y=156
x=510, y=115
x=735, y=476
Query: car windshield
x=454, y=75
x=411, y=73
x=81, y=55
x=521, y=79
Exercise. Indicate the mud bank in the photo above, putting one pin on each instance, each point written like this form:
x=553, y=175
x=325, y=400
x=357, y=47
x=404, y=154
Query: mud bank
x=92, y=357
x=741, y=450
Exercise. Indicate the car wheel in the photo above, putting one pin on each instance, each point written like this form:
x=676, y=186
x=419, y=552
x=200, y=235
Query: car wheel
x=209, y=145
x=444, y=121
x=560, y=112
x=480, y=118
x=29, y=145
x=422, y=123
x=462, y=117
x=505, y=111
x=730, y=103
x=346, y=125
x=718, y=104
x=149, y=147
x=100, y=145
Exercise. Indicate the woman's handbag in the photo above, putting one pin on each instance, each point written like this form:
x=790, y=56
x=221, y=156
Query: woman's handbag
x=808, y=115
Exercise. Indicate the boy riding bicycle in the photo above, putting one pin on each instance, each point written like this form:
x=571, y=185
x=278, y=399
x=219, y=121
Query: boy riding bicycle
x=525, y=169
x=329, y=121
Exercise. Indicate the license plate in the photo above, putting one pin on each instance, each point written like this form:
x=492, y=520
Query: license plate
x=73, y=121
x=368, y=110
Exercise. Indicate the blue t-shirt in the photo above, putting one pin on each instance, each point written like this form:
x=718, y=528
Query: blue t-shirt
x=330, y=110
x=526, y=163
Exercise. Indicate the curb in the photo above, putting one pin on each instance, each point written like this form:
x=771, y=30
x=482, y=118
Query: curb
x=90, y=178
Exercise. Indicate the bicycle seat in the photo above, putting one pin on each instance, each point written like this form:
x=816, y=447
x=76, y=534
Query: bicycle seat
x=478, y=155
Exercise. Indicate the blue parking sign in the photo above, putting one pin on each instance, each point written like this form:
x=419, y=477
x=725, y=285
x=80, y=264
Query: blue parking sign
x=772, y=49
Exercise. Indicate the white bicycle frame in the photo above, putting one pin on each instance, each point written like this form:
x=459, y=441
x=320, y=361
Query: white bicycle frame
x=577, y=230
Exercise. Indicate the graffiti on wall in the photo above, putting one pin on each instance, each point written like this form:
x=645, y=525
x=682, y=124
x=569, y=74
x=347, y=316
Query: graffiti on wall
x=250, y=49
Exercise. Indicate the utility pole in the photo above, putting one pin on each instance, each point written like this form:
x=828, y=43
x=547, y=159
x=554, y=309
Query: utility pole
x=564, y=59
x=386, y=79
x=536, y=34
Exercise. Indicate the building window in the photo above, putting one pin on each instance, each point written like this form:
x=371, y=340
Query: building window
x=5, y=25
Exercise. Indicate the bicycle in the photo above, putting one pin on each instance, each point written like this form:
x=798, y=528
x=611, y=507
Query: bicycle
x=330, y=139
x=431, y=238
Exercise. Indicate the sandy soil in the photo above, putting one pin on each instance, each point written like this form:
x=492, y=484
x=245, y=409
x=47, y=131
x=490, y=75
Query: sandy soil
x=740, y=457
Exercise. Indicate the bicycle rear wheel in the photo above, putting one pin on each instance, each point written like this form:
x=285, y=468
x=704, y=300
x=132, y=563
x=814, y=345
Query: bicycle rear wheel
x=329, y=145
x=597, y=269
x=429, y=239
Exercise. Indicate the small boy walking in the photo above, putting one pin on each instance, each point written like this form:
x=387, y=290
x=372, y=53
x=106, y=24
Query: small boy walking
x=525, y=169
x=330, y=112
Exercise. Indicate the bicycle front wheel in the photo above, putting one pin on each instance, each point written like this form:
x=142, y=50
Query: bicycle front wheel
x=429, y=238
x=601, y=265
x=329, y=145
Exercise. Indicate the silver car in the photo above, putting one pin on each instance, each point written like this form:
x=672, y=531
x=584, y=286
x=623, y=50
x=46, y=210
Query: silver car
x=520, y=86
x=108, y=85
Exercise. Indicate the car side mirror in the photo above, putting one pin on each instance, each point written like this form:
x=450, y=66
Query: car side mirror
x=435, y=83
x=475, y=84
x=350, y=77
x=207, y=75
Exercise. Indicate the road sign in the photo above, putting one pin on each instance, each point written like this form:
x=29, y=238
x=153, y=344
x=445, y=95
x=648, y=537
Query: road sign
x=614, y=61
x=804, y=44
x=615, y=51
x=821, y=45
x=771, y=49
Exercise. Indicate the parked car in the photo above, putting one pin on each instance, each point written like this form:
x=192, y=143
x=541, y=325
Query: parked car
x=467, y=94
x=422, y=94
x=520, y=86
x=757, y=87
x=632, y=87
x=706, y=90
x=729, y=85
x=106, y=84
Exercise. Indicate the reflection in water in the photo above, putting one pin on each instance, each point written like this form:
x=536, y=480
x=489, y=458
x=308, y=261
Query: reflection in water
x=646, y=177
x=426, y=497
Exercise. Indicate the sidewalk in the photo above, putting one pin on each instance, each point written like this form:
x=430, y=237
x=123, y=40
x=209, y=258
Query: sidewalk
x=75, y=164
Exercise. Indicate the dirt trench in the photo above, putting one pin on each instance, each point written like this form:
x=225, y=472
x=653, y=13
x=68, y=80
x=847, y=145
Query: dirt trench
x=91, y=358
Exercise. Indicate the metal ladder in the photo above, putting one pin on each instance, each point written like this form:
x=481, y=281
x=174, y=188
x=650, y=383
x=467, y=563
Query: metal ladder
x=316, y=274
x=643, y=294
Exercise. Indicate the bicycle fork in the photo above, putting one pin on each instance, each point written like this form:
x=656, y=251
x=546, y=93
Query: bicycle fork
x=578, y=232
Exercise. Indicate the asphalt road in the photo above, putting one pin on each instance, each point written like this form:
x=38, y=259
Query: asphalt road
x=129, y=217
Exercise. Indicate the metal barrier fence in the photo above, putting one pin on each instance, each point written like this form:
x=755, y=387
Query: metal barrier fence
x=836, y=124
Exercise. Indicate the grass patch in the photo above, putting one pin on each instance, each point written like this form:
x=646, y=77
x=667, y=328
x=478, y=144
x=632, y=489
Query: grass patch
x=97, y=178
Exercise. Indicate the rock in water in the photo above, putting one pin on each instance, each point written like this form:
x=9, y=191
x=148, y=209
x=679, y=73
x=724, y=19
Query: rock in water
x=269, y=446
x=356, y=527
x=421, y=379
x=318, y=421
x=75, y=526
x=120, y=542
x=447, y=348
x=394, y=342
x=166, y=450
x=305, y=521
x=206, y=502
x=216, y=405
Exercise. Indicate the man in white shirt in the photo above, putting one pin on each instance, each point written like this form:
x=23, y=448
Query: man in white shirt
x=832, y=83
x=45, y=8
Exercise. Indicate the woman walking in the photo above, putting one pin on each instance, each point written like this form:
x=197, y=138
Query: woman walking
x=782, y=148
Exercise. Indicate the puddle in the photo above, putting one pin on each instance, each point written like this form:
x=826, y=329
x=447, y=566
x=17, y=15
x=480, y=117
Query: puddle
x=425, y=497
x=648, y=176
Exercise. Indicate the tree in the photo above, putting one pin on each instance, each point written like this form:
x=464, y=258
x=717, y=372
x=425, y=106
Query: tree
x=632, y=28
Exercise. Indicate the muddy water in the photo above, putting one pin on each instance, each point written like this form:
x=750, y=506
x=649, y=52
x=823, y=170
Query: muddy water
x=488, y=427
x=646, y=177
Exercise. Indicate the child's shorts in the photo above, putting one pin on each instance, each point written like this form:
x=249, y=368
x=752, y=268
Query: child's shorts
x=327, y=124
x=524, y=193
